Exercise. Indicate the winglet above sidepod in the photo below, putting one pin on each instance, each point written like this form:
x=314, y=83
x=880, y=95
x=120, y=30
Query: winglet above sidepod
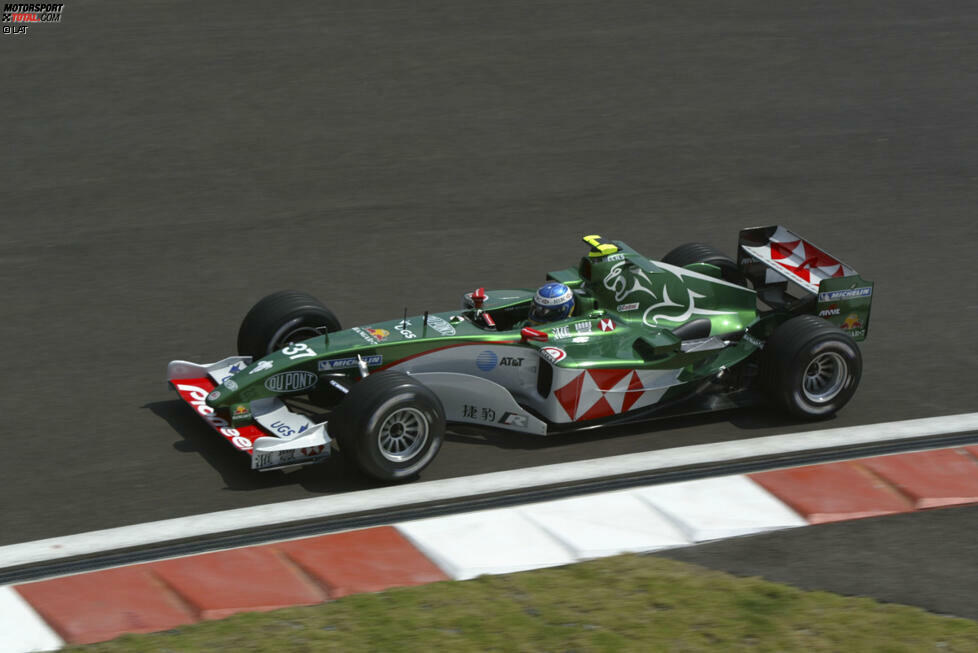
x=599, y=249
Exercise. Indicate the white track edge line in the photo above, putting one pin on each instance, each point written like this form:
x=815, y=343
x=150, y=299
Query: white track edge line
x=468, y=486
x=22, y=628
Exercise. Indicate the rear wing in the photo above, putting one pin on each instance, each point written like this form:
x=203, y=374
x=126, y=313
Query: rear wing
x=772, y=256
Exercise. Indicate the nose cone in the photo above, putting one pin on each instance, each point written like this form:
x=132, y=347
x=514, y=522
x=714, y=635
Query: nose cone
x=223, y=396
x=214, y=399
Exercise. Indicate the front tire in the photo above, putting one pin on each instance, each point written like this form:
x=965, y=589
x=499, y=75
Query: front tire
x=280, y=318
x=390, y=425
x=811, y=368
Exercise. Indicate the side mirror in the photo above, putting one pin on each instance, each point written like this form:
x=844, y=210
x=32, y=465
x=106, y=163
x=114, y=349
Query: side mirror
x=529, y=333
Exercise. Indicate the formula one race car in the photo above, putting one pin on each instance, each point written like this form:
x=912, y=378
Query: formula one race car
x=696, y=331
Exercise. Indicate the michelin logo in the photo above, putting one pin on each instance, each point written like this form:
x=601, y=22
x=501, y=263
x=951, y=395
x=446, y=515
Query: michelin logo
x=852, y=293
x=345, y=363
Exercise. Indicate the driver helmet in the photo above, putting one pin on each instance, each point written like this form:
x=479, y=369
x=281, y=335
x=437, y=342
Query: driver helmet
x=553, y=301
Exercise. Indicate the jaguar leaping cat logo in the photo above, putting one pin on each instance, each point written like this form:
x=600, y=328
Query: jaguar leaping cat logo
x=651, y=317
x=616, y=282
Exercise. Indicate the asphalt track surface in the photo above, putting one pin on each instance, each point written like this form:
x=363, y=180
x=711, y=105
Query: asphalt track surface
x=924, y=559
x=166, y=164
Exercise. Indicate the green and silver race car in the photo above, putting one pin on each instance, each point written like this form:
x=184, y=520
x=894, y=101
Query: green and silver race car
x=696, y=331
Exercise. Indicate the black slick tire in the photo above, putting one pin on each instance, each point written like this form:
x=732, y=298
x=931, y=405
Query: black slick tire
x=811, y=368
x=700, y=253
x=282, y=317
x=389, y=425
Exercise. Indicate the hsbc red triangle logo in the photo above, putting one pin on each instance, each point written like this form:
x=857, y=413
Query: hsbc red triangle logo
x=607, y=324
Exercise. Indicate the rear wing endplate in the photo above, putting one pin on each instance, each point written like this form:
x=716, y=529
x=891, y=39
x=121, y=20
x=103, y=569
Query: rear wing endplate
x=774, y=254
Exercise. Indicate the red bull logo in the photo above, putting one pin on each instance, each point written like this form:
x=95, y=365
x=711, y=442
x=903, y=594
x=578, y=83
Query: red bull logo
x=852, y=322
x=240, y=414
x=379, y=334
x=854, y=326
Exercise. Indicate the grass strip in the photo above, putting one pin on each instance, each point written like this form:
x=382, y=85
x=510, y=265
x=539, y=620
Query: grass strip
x=624, y=603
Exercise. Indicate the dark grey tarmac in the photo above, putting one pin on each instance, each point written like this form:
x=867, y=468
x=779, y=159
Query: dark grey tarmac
x=926, y=559
x=165, y=164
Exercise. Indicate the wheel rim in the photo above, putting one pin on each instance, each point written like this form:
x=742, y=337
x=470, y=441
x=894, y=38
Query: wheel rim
x=825, y=377
x=403, y=434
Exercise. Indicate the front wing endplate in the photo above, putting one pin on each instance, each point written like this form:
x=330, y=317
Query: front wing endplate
x=279, y=439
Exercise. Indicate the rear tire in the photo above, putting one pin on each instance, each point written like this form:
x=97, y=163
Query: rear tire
x=390, y=425
x=700, y=253
x=811, y=368
x=280, y=318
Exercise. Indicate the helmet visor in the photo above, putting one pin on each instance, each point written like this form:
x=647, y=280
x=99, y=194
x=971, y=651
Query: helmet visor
x=543, y=314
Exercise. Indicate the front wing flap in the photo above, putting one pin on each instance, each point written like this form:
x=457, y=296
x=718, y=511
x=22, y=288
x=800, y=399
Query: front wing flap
x=279, y=438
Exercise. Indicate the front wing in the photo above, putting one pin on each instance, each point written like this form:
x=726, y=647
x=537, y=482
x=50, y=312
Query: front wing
x=279, y=438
